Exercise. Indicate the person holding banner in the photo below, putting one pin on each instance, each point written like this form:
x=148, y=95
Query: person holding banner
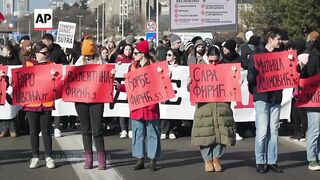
x=56, y=55
x=144, y=120
x=267, y=106
x=213, y=126
x=309, y=66
x=39, y=115
x=9, y=57
x=91, y=114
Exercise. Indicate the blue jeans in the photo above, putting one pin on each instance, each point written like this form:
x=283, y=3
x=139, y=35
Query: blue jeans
x=212, y=151
x=151, y=129
x=313, y=136
x=267, y=125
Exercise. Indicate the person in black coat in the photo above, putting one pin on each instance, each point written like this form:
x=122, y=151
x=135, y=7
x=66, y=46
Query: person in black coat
x=56, y=54
x=308, y=69
x=267, y=107
x=229, y=54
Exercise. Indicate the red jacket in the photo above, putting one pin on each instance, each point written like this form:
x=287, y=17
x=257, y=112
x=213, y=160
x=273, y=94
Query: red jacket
x=148, y=113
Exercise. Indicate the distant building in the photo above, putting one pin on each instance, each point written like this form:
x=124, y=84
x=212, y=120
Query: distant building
x=8, y=6
x=56, y=4
x=123, y=9
x=23, y=7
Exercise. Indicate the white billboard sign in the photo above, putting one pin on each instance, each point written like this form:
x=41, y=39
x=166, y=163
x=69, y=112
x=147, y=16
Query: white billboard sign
x=203, y=14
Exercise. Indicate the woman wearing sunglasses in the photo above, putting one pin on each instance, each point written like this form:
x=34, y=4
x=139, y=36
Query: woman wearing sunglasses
x=39, y=115
x=169, y=126
x=145, y=120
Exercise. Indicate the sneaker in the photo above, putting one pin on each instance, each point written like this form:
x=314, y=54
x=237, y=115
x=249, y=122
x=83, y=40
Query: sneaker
x=57, y=133
x=172, y=136
x=123, y=134
x=303, y=138
x=238, y=137
x=314, y=166
x=34, y=163
x=163, y=136
x=130, y=134
x=295, y=137
x=40, y=134
x=50, y=163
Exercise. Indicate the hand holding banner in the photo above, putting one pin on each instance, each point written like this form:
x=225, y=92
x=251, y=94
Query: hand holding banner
x=36, y=84
x=309, y=94
x=92, y=83
x=277, y=70
x=148, y=85
x=3, y=84
x=215, y=83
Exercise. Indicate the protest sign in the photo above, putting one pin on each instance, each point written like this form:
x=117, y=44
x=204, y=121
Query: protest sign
x=148, y=85
x=215, y=83
x=309, y=93
x=92, y=83
x=66, y=32
x=276, y=71
x=3, y=85
x=36, y=84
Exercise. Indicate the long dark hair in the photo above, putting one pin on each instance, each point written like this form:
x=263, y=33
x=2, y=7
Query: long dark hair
x=11, y=49
x=121, y=52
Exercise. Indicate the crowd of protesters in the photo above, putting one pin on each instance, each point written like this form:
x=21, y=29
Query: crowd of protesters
x=213, y=127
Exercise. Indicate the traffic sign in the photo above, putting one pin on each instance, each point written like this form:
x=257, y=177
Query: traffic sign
x=151, y=36
x=150, y=26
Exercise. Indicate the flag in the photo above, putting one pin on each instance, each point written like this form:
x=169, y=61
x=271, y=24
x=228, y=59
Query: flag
x=1, y=18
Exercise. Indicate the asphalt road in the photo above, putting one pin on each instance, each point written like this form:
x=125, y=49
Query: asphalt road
x=179, y=161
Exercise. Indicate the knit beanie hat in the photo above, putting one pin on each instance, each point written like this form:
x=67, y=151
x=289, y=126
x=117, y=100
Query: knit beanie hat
x=130, y=39
x=248, y=35
x=254, y=40
x=188, y=45
x=195, y=39
x=174, y=39
x=209, y=42
x=88, y=47
x=313, y=36
x=143, y=47
x=230, y=45
x=200, y=42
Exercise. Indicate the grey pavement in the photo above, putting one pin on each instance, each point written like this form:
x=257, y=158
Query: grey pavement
x=179, y=161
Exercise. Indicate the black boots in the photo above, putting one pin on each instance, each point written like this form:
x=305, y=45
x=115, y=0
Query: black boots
x=153, y=165
x=139, y=164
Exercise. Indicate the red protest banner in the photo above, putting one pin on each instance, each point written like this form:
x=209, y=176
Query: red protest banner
x=3, y=85
x=148, y=85
x=276, y=71
x=92, y=83
x=36, y=84
x=309, y=92
x=215, y=83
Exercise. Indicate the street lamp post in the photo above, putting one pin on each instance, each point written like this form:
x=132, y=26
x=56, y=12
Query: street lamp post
x=97, y=25
x=103, y=21
x=79, y=16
